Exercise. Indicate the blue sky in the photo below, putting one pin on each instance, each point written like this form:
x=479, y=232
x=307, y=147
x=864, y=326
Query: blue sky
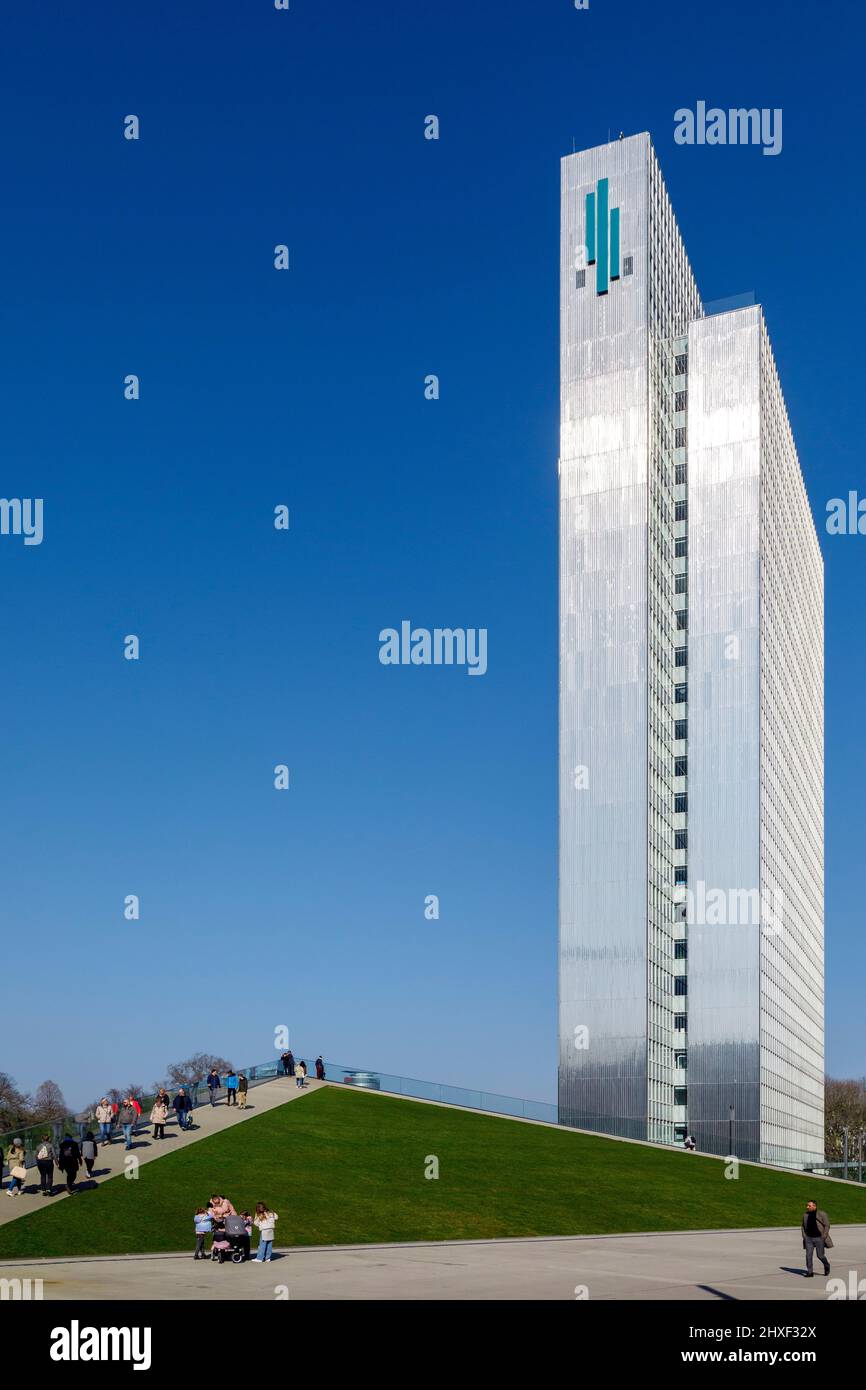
x=408, y=257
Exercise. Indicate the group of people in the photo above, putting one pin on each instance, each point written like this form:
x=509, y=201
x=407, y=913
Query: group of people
x=69, y=1157
x=299, y=1069
x=224, y=1225
x=236, y=1086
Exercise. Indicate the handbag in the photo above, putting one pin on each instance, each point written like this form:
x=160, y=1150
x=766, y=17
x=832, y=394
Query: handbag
x=18, y=1172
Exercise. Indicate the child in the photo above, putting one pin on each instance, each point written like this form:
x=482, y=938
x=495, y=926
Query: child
x=203, y=1227
x=88, y=1151
x=265, y=1219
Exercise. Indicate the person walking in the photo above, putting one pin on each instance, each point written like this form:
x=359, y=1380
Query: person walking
x=15, y=1158
x=69, y=1162
x=126, y=1118
x=232, y=1088
x=300, y=1074
x=265, y=1220
x=203, y=1227
x=243, y=1087
x=816, y=1237
x=158, y=1117
x=213, y=1084
x=104, y=1117
x=88, y=1152
x=136, y=1105
x=45, y=1161
x=182, y=1106
x=320, y=1069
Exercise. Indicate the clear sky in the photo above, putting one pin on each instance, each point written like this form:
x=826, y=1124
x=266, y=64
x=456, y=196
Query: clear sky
x=306, y=387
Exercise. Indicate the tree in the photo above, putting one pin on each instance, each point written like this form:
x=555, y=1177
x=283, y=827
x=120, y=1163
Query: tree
x=15, y=1106
x=844, y=1106
x=196, y=1068
x=49, y=1103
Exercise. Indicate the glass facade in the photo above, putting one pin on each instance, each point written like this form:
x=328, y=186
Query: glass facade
x=683, y=599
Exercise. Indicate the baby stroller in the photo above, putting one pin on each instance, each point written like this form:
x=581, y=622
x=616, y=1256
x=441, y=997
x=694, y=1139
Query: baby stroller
x=230, y=1241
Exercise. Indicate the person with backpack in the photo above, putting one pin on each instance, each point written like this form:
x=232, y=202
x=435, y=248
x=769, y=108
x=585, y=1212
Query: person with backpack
x=182, y=1106
x=243, y=1087
x=16, y=1159
x=104, y=1118
x=126, y=1118
x=88, y=1151
x=69, y=1162
x=45, y=1160
x=213, y=1084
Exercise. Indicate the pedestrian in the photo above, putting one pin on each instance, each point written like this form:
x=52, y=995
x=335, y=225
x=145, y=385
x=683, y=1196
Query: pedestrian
x=265, y=1219
x=45, y=1160
x=816, y=1237
x=284, y=1058
x=300, y=1074
x=248, y=1231
x=243, y=1087
x=136, y=1105
x=290, y=1063
x=17, y=1168
x=126, y=1118
x=213, y=1084
x=104, y=1117
x=320, y=1069
x=182, y=1106
x=690, y=1144
x=69, y=1161
x=220, y=1207
x=203, y=1227
x=88, y=1152
x=232, y=1088
x=158, y=1117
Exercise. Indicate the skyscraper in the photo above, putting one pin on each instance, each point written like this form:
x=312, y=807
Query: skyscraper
x=691, y=898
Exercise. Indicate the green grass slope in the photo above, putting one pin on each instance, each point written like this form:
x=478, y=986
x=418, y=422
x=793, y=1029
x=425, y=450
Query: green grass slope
x=342, y=1167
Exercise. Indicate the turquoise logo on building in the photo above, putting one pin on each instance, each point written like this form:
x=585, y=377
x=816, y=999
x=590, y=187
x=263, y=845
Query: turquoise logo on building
x=602, y=237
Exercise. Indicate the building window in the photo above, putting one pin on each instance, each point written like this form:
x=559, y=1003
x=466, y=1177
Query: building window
x=681, y=767
x=681, y=694
x=580, y=279
x=681, y=510
x=681, y=950
x=680, y=437
x=681, y=656
x=681, y=1095
x=681, y=728
x=681, y=839
x=681, y=364
x=681, y=584
x=682, y=620
x=681, y=547
x=679, y=473
x=680, y=1022
x=682, y=1060
x=681, y=803
x=627, y=265
x=681, y=875
x=681, y=400
x=680, y=985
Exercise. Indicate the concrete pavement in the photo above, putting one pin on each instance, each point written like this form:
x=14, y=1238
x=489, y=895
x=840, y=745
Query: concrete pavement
x=691, y=1266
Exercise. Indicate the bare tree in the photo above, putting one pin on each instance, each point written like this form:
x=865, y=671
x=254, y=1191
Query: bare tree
x=49, y=1102
x=196, y=1068
x=844, y=1107
x=15, y=1106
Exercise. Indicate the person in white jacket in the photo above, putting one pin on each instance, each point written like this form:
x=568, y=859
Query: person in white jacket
x=104, y=1116
x=265, y=1219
